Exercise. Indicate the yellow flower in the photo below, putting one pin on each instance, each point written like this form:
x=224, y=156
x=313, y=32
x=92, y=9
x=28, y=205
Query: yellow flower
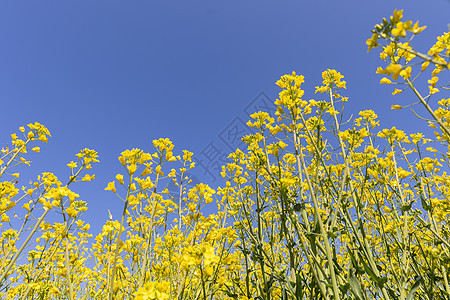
x=72, y=165
x=209, y=270
x=396, y=91
x=43, y=138
x=416, y=29
x=385, y=81
x=400, y=29
x=122, y=160
x=131, y=169
x=88, y=177
x=187, y=156
x=158, y=170
x=133, y=200
x=111, y=187
x=333, y=78
x=5, y=218
x=433, y=81
x=433, y=90
x=172, y=173
x=395, y=106
x=71, y=212
x=425, y=65
x=398, y=15
x=406, y=73
x=372, y=42
x=209, y=255
x=403, y=174
x=146, y=172
x=393, y=69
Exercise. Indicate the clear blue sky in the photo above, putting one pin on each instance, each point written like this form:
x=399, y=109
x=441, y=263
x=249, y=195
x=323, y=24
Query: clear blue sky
x=114, y=75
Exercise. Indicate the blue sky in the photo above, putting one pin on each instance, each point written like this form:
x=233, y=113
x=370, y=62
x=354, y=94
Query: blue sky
x=114, y=75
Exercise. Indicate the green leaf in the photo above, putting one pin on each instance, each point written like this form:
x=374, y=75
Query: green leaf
x=414, y=288
x=355, y=263
x=298, y=207
x=344, y=288
x=407, y=207
x=425, y=205
x=355, y=287
x=380, y=281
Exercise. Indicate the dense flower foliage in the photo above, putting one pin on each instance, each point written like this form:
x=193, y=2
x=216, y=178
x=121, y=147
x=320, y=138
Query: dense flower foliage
x=315, y=207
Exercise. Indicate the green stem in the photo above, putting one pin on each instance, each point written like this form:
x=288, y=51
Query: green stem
x=430, y=110
x=12, y=262
x=111, y=289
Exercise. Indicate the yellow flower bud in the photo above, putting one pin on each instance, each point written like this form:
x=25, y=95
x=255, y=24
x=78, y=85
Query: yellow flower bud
x=119, y=178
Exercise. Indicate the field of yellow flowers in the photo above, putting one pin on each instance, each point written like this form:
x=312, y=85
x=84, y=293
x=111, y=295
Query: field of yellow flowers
x=316, y=207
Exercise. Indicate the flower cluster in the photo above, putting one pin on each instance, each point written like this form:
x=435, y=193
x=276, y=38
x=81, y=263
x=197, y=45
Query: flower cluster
x=313, y=207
